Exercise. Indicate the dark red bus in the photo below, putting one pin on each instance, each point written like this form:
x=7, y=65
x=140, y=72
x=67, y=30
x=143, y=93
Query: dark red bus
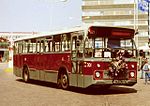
x=80, y=57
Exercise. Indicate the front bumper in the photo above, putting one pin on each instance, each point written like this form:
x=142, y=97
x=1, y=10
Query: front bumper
x=115, y=82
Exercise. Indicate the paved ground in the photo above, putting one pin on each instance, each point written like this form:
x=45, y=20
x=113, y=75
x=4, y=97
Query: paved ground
x=3, y=66
x=14, y=92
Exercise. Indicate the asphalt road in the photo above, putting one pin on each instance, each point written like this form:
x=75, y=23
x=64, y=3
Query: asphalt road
x=14, y=92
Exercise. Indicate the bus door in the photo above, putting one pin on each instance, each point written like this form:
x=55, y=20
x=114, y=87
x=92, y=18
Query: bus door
x=77, y=56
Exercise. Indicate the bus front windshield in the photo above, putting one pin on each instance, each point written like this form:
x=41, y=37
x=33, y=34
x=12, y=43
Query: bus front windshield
x=107, y=47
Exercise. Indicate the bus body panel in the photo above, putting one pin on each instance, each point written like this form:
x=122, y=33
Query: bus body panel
x=43, y=67
x=89, y=81
x=85, y=81
x=103, y=68
x=58, y=52
x=76, y=80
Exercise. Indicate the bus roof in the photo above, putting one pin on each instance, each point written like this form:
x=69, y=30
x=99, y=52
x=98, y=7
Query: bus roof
x=44, y=34
x=68, y=30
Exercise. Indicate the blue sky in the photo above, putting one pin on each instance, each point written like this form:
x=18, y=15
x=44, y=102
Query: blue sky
x=38, y=15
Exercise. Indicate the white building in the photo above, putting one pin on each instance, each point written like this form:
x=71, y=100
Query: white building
x=6, y=45
x=122, y=13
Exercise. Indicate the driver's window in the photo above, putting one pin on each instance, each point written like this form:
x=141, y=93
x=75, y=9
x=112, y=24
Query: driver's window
x=89, y=47
x=74, y=43
x=74, y=47
x=38, y=47
x=77, y=46
x=80, y=45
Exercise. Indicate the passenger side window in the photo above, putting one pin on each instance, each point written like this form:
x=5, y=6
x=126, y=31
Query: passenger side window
x=42, y=46
x=38, y=47
x=49, y=44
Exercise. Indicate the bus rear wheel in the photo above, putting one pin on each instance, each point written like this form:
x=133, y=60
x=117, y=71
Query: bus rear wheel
x=26, y=75
x=64, y=81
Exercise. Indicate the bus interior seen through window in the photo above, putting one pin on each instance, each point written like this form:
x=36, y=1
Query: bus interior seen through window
x=99, y=47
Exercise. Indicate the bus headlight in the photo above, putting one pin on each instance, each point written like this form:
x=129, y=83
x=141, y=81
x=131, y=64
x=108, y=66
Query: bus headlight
x=97, y=74
x=132, y=66
x=98, y=65
x=132, y=74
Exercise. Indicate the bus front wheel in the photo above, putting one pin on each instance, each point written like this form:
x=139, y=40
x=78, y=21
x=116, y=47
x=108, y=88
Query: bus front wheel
x=64, y=81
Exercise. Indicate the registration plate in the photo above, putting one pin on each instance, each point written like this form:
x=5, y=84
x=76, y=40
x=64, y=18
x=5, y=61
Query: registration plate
x=119, y=82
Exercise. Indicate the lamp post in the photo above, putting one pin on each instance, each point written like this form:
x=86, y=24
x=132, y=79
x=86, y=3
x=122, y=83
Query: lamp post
x=10, y=63
x=148, y=19
x=148, y=24
x=135, y=21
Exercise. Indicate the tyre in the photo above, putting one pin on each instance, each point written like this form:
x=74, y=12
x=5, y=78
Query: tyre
x=64, y=81
x=26, y=75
